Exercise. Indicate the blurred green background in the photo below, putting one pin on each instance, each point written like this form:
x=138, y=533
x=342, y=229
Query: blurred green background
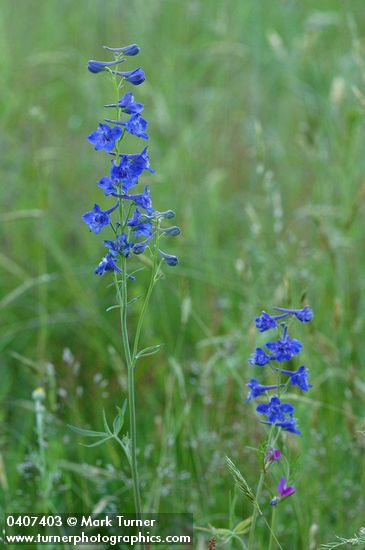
x=256, y=123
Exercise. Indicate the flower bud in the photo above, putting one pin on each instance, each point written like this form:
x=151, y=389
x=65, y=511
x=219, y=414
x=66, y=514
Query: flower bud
x=132, y=49
x=168, y=258
x=172, y=231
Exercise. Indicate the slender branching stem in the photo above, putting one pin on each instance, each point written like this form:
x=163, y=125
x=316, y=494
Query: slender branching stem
x=122, y=295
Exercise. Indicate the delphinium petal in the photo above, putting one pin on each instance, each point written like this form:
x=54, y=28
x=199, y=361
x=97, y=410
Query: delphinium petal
x=135, y=125
x=105, y=137
x=120, y=245
x=128, y=105
x=135, y=77
x=275, y=410
x=139, y=228
x=256, y=389
x=284, y=349
x=265, y=322
x=260, y=358
x=97, y=218
x=107, y=264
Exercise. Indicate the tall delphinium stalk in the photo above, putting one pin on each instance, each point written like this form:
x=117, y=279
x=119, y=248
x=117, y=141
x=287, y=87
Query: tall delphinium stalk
x=279, y=416
x=135, y=228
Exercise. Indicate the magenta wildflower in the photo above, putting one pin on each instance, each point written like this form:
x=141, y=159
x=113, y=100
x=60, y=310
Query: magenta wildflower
x=283, y=490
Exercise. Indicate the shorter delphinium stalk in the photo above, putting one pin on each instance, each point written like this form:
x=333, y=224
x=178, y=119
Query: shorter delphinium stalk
x=135, y=228
x=278, y=415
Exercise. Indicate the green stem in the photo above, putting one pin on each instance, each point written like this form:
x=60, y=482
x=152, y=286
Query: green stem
x=272, y=528
x=122, y=294
x=251, y=539
x=123, y=298
x=154, y=272
x=133, y=436
x=256, y=510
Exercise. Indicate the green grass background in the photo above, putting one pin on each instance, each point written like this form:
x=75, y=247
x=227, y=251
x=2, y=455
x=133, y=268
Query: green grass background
x=256, y=122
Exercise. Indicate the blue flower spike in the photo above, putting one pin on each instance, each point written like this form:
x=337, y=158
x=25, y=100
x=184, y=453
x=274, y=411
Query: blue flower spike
x=135, y=225
x=277, y=413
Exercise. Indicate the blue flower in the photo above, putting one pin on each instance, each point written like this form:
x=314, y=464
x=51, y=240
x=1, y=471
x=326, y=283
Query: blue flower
x=124, y=172
x=105, y=137
x=300, y=379
x=136, y=126
x=275, y=410
x=128, y=105
x=140, y=162
x=285, y=348
x=256, y=389
x=304, y=315
x=107, y=264
x=97, y=219
x=260, y=358
x=289, y=425
x=129, y=169
x=265, y=322
x=135, y=77
x=121, y=245
x=109, y=185
x=132, y=49
x=168, y=258
x=99, y=66
x=139, y=228
x=143, y=200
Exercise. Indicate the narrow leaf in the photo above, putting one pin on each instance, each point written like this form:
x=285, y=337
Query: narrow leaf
x=107, y=429
x=119, y=419
x=151, y=350
x=97, y=443
x=133, y=300
x=243, y=526
x=110, y=308
x=86, y=433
